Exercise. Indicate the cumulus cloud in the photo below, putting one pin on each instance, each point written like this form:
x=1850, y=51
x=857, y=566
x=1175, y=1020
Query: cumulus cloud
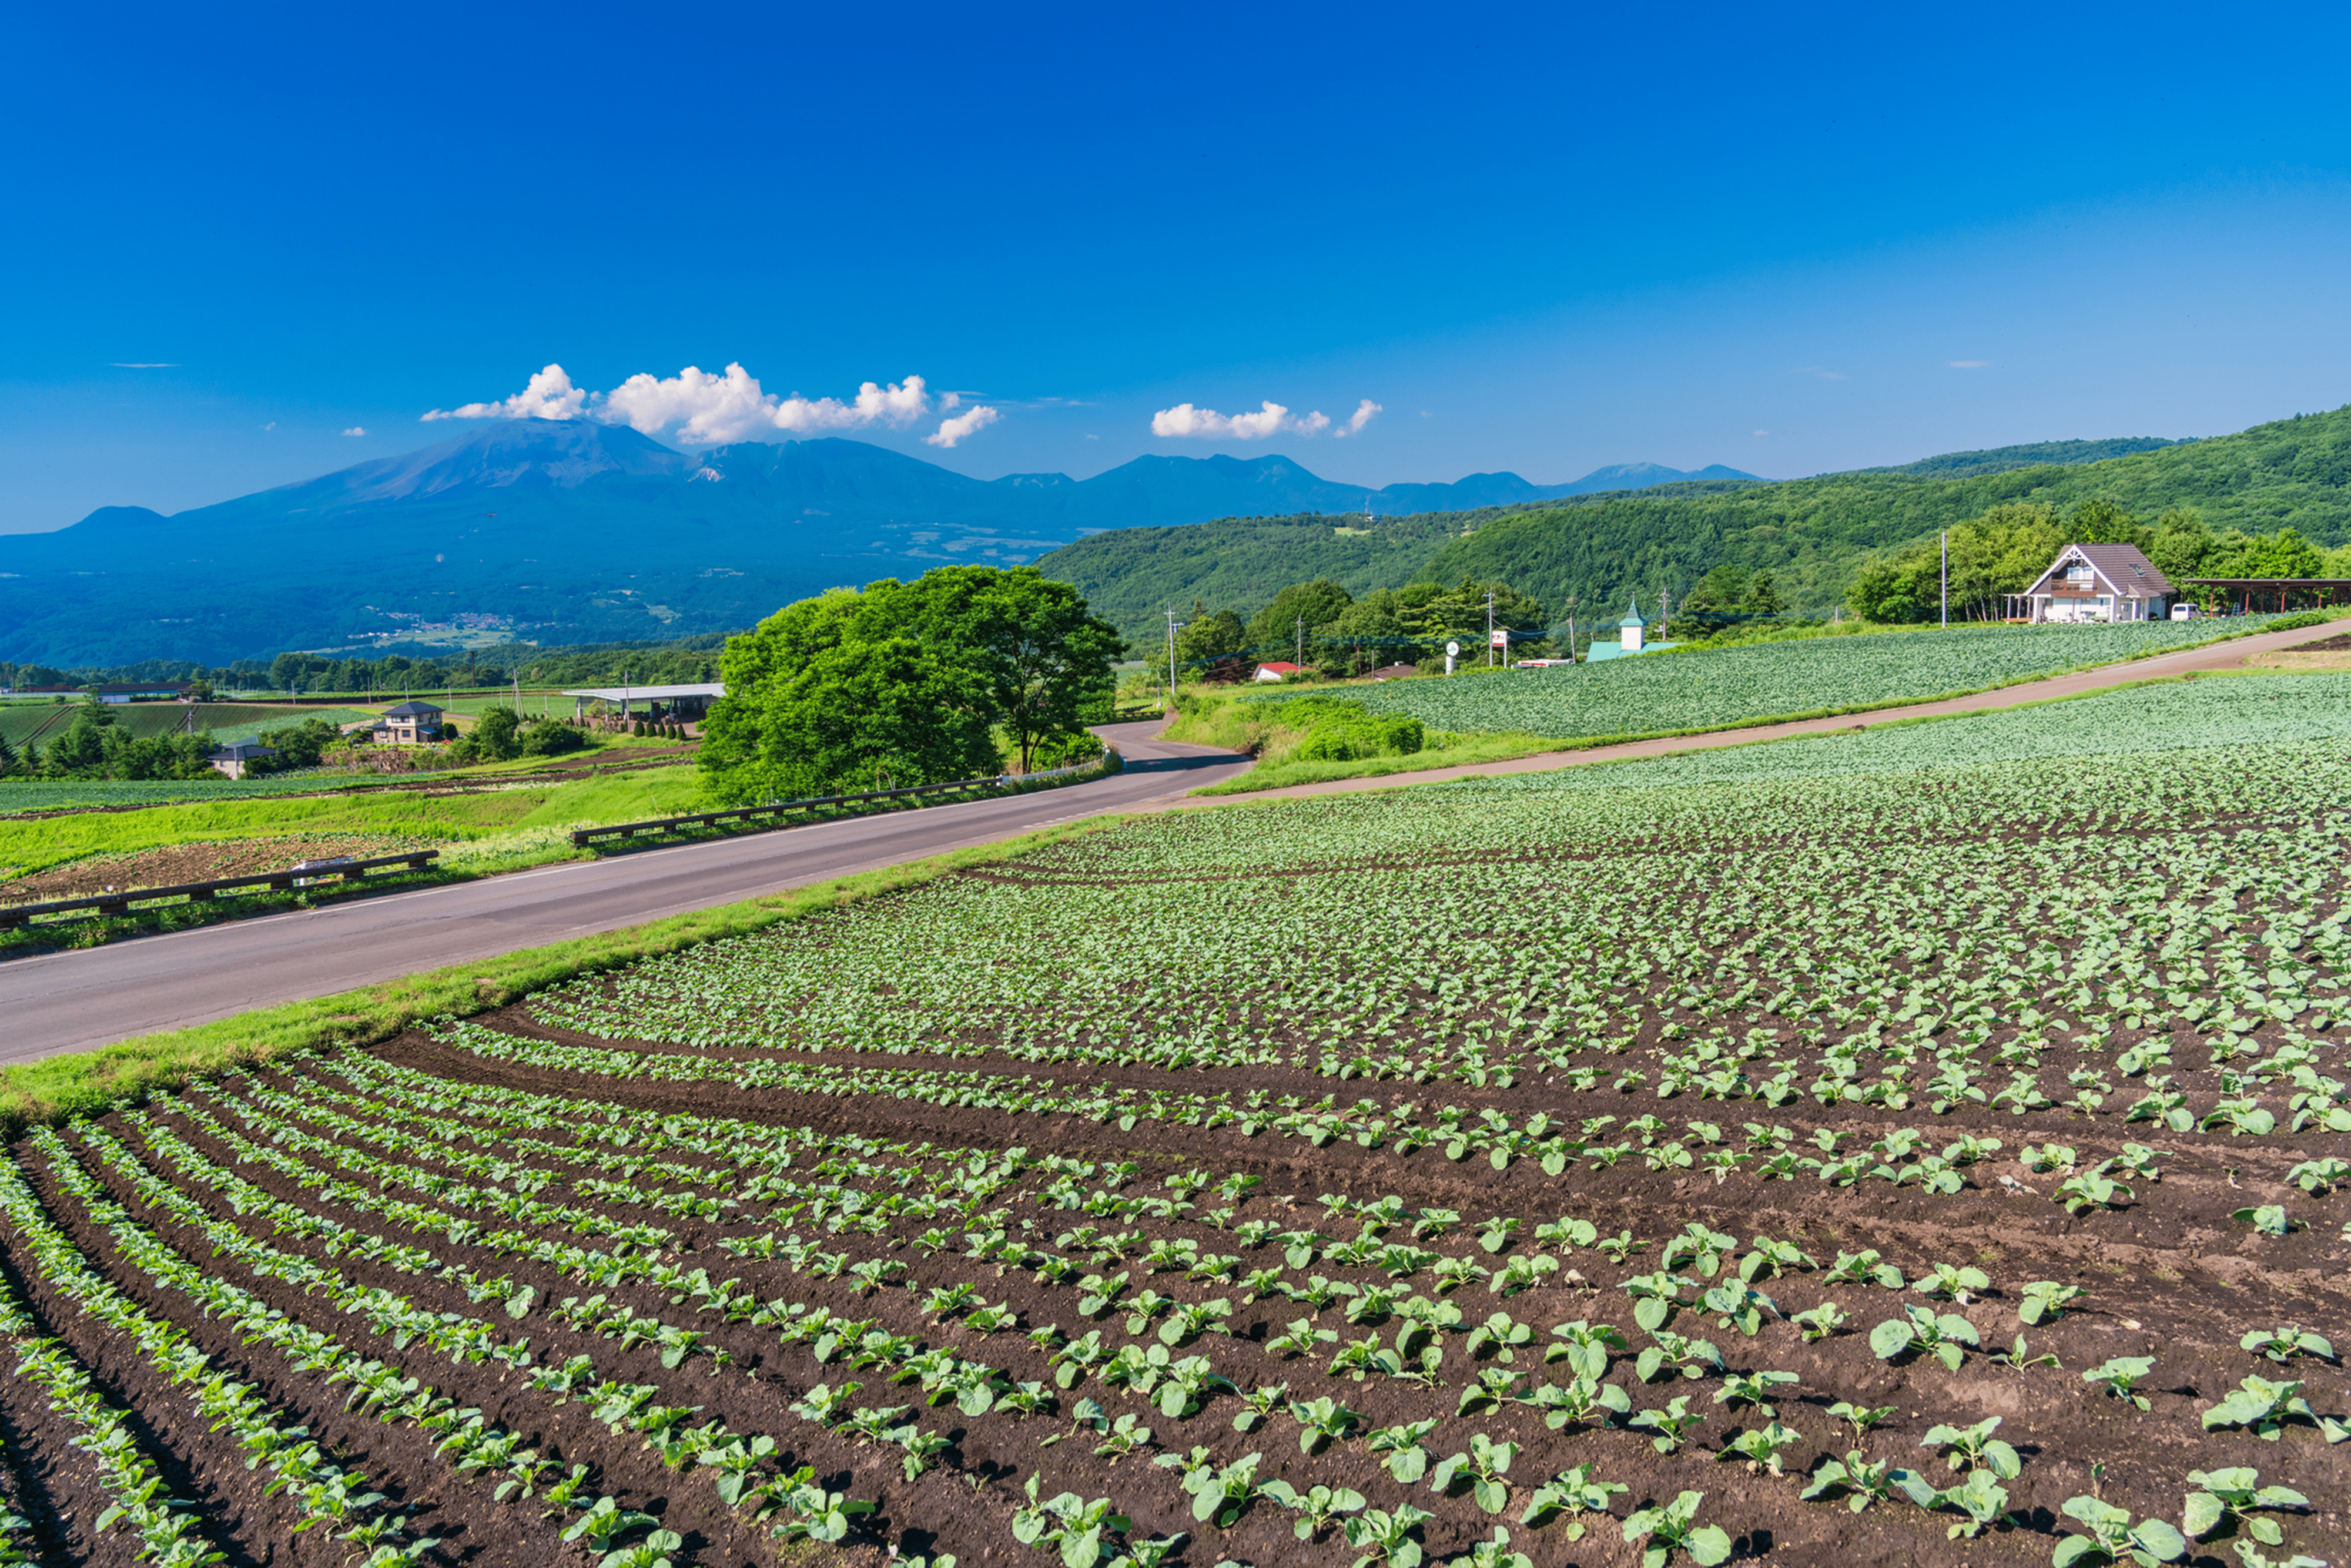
x=708, y=409
x=548, y=395
x=1357, y=420
x=1968, y=364
x=1270, y=418
x=356, y=430
x=950, y=431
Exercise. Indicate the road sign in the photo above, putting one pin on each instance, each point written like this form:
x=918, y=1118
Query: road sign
x=1498, y=638
x=1453, y=650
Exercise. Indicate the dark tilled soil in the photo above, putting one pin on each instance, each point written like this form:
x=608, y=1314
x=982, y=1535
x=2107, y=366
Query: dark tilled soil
x=178, y=863
x=2163, y=1278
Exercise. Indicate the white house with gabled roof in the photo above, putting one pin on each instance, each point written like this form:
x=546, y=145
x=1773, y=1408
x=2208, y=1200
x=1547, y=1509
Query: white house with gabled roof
x=2098, y=582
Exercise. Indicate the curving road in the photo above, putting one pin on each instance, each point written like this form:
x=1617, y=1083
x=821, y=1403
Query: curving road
x=77, y=1000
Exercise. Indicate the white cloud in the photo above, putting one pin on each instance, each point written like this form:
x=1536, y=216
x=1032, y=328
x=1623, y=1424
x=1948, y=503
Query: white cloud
x=1763, y=433
x=549, y=395
x=1271, y=419
x=951, y=431
x=1357, y=420
x=1968, y=364
x=356, y=430
x=146, y=364
x=705, y=409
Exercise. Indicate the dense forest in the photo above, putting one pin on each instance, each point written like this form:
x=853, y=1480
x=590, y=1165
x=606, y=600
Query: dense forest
x=1814, y=535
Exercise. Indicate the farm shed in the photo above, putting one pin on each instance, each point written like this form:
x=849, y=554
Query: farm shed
x=165, y=691
x=410, y=724
x=2095, y=582
x=1277, y=672
x=2253, y=594
x=235, y=761
x=683, y=702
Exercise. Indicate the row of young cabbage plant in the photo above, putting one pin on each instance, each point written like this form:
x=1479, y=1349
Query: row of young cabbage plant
x=1424, y=1343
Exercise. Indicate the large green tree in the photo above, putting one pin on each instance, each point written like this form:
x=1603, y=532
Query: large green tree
x=1040, y=659
x=905, y=684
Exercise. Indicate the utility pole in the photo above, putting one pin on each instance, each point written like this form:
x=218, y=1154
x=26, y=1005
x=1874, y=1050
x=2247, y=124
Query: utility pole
x=1301, y=641
x=1947, y=579
x=1171, y=658
x=1570, y=631
x=1489, y=628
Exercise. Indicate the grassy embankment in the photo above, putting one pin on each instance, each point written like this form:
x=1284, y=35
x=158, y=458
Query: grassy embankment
x=63, y=1086
x=1226, y=719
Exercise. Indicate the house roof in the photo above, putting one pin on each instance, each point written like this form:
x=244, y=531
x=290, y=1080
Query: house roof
x=409, y=710
x=242, y=751
x=2123, y=569
x=1281, y=667
x=1632, y=615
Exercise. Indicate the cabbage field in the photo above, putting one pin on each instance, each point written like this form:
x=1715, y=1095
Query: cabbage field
x=1672, y=694
x=1931, y=1149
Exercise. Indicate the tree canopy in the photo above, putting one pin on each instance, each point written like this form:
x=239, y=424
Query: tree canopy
x=903, y=683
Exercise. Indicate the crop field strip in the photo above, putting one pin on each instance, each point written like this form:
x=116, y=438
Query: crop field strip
x=1469, y=1154
x=1670, y=693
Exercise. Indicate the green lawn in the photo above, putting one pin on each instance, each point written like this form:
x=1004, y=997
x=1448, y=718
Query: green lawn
x=37, y=844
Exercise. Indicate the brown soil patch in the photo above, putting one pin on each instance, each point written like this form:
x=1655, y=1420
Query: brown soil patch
x=178, y=863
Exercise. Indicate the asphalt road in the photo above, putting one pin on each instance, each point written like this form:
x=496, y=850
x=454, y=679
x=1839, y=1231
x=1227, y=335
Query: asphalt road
x=78, y=1000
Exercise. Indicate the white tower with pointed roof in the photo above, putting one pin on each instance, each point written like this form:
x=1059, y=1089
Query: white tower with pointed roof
x=1631, y=629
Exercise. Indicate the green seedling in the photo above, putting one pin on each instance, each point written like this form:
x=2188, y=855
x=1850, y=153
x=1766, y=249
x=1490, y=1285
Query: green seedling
x=1819, y=1322
x=1571, y=1492
x=2283, y=1344
x=2270, y=1218
x=1864, y=1268
x=1315, y=1508
x=1584, y=1347
x=1944, y=1337
x=2260, y=1406
x=1860, y=1418
x=2045, y=1300
x=1754, y=1388
x=2113, y=1538
x=2119, y=1377
x=1408, y=1459
x=1671, y=1424
x=1484, y=1465
x=1975, y=1447
x=1323, y=1420
x=1386, y=1539
x=1219, y=1495
x=1761, y=1446
x=1662, y=1531
x=1861, y=1481
x=2016, y=1357
x=1257, y=1404
x=2218, y=1497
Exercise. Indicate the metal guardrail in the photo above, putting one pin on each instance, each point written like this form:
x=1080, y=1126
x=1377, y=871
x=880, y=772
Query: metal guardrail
x=584, y=836
x=15, y=916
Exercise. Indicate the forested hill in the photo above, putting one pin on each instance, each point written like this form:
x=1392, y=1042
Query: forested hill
x=1812, y=533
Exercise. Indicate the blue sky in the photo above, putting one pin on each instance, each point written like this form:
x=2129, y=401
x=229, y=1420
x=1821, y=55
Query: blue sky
x=1541, y=239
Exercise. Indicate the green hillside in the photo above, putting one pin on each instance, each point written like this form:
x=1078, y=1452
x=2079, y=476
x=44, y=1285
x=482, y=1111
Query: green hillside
x=1811, y=533
x=1128, y=574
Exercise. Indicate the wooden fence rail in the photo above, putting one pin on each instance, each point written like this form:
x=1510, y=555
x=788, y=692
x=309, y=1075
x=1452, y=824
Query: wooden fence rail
x=14, y=915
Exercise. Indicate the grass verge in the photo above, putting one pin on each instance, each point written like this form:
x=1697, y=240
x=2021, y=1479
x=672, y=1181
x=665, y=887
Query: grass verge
x=84, y=1083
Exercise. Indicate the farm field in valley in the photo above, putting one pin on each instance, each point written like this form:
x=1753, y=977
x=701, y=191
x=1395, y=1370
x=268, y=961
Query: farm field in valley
x=1921, y=1145
x=1673, y=693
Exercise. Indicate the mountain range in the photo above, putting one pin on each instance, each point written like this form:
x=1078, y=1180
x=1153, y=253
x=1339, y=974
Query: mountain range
x=569, y=532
